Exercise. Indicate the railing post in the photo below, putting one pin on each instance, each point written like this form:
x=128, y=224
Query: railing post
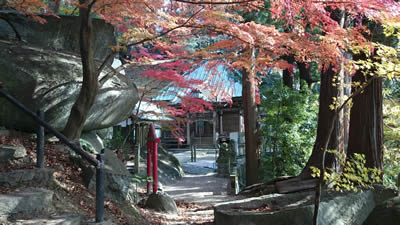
x=40, y=142
x=195, y=153
x=137, y=158
x=191, y=153
x=100, y=187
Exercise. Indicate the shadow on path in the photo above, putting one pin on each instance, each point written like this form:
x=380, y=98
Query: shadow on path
x=200, y=184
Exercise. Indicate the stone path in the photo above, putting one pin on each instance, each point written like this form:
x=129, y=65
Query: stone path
x=196, y=192
x=200, y=184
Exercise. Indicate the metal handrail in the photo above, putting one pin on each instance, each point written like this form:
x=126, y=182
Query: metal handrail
x=59, y=135
x=98, y=163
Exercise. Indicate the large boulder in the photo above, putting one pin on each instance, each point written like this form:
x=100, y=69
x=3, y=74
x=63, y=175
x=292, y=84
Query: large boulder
x=50, y=81
x=92, y=142
x=105, y=134
x=57, y=33
x=350, y=208
x=119, y=184
x=161, y=202
x=169, y=168
x=387, y=213
x=387, y=210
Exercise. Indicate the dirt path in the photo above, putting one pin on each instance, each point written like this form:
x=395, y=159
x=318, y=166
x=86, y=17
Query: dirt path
x=197, y=191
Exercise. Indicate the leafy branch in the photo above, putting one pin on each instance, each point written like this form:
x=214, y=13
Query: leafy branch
x=354, y=173
x=111, y=55
x=215, y=3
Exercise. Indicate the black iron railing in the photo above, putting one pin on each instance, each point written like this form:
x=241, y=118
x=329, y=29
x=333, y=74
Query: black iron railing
x=98, y=162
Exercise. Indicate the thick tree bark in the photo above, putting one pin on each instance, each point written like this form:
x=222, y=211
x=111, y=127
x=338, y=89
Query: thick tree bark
x=251, y=127
x=325, y=116
x=287, y=75
x=328, y=91
x=305, y=73
x=287, y=78
x=89, y=88
x=366, y=121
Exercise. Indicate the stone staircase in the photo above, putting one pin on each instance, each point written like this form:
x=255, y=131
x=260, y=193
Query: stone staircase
x=25, y=196
x=33, y=206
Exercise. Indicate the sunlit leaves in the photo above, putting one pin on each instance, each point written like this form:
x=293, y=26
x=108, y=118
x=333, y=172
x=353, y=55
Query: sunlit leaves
x=391, y=157
x=353, y=176
x=389, y=65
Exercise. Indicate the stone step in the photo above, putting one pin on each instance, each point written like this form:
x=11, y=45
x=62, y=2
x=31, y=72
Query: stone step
x=13, y=155
x=67, y=219
x=27, y=201
x=29, y=177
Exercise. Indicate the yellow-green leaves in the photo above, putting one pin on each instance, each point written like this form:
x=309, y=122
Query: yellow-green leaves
x=353, y=176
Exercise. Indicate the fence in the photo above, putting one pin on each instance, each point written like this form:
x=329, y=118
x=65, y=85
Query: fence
x=98, y=162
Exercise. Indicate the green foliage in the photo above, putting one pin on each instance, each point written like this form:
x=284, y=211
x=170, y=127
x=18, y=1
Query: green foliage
x=141, y=179
x=116, y=141
x=391, y=128
x=353, y=176
x=288, y=129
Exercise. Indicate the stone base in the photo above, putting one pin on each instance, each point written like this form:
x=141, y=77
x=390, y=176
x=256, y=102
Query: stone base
x=297, y=209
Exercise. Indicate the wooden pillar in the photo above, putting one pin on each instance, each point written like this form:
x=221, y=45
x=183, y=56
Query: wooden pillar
x=214, y=128
x=188, y=131
x=139, y=135
x=221, y=129
x=241, y=127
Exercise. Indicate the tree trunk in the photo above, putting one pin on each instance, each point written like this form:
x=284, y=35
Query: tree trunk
x=252, y=139
x=305, y=73
x=287, y=78
x=366, y=121
x=330, y=81
x=89, y=88
x=325, y=116
x=287, y=75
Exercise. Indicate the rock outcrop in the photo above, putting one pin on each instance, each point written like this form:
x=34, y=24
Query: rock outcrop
x=336, y=208
x=92, y=142
x=44, y=72
x=119, y=183
x=60, y=34
x=169, y=167
x=387, y=209
x=50, y=81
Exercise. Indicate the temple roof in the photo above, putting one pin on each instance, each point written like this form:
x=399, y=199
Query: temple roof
x=217, y=86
